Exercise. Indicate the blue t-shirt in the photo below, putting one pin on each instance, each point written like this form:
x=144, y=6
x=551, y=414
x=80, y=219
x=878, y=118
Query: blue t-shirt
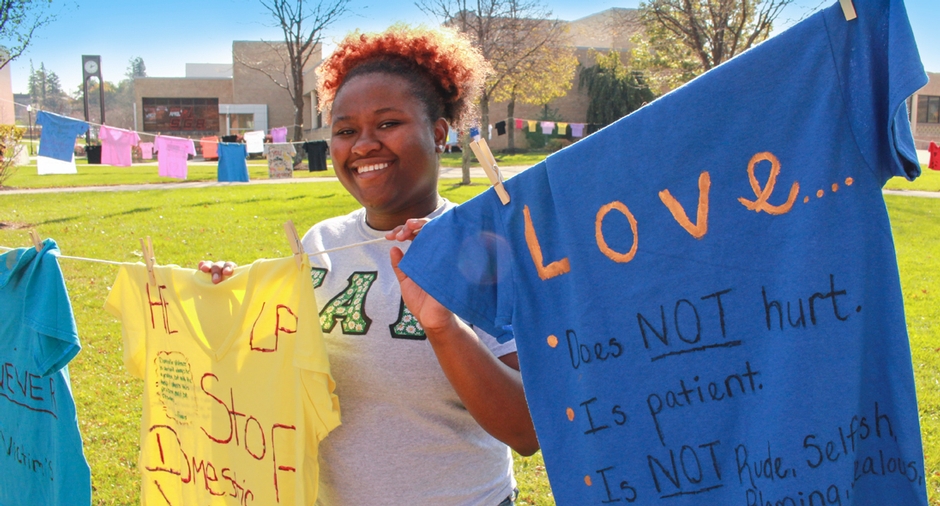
x=57, y=139
x=232, y=164
x=705, y=294
x=41, y=459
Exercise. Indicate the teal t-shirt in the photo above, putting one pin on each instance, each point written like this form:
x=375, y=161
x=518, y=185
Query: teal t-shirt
x=705, y=294
x=41, y=458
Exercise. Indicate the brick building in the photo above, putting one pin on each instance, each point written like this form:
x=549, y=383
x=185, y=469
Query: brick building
x=924, y=108
x=227, y=99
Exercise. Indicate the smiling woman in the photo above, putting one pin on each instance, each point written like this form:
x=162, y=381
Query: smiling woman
x=430, y=406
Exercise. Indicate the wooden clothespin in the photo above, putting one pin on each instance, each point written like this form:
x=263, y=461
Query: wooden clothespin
x=149, y=259
x=848, y=8
x=295, y=245
x=37, y=242
x=482, y=151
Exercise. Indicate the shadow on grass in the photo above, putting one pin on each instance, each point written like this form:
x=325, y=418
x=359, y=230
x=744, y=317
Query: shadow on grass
x=59, y=220
x=129, y=211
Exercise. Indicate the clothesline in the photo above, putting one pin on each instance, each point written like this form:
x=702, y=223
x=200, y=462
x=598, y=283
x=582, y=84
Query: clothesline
x=315, y=253
x=99, y=125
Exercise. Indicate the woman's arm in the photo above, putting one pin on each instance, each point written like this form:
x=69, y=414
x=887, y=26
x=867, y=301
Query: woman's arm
x=490, y=387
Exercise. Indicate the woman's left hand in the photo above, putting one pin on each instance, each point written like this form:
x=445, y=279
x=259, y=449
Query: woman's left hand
x=425, y=308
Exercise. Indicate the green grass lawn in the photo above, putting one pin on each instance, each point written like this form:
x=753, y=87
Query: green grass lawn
x=929, y=180
x=243, y=223
x=105, y=175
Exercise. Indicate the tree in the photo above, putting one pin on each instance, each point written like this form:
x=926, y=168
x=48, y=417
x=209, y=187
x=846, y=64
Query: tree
x=707, y=32
x=136, y=68
x=19, y=20
x=613, y=91
x=508, y=33
x=302, y=22
x=662, y=59
x=544, y=75
x=45, y=90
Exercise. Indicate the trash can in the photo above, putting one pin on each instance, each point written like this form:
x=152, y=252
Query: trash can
x=94, y=155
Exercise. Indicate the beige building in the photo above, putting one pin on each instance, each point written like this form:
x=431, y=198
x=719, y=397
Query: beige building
x=924, y=108
x=7, y=112
x=228, y=98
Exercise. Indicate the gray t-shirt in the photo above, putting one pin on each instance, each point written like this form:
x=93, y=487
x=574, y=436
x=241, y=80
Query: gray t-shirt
x=405, y=438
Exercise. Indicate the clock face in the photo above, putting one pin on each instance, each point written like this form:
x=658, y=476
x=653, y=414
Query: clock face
x=91, y=66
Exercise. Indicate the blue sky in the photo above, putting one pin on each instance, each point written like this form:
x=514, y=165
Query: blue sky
x=170, y=33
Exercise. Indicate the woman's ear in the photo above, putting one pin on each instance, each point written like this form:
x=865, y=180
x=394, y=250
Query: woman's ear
x=440, y=134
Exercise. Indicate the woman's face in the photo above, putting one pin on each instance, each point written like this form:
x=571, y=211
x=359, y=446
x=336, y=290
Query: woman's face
x=385, y=148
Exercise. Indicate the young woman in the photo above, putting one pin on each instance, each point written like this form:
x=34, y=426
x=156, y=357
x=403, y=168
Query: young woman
x=429, y=411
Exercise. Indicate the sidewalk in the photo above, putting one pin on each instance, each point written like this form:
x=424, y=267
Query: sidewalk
x=446, y=173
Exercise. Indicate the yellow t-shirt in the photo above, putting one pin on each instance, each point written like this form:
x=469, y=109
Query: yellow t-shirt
x=237, y=385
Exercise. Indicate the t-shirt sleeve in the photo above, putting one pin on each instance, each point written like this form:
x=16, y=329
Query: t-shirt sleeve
x=462, y=259
x=321, y=404
x=498, y=349
x=49, y=313
x=125, y=303
x=191, y=148
x=879, y=67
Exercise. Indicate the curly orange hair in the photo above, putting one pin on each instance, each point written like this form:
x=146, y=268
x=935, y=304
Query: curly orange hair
x=448, y=71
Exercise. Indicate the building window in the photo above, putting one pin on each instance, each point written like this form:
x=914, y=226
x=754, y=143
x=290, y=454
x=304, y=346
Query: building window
x=241, y=123
x=928, y=109
x=195, y=115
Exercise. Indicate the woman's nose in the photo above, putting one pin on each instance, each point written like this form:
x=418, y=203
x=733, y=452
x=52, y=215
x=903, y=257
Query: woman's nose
x=366, y=143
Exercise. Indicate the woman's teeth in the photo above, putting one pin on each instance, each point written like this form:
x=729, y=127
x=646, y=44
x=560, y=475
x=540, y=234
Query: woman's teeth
x=370, y=168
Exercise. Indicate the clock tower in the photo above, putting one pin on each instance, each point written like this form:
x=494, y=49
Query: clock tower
x=91, y=67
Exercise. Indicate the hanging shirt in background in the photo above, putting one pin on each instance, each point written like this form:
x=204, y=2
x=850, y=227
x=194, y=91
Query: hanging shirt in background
x=562, y=128
x=533, y=125
x=57, y=139
x=21, y=155
x=41, y=455
x=577, y=129
x=146, y=150
x=280, y=160
x=728, y=331
x=500, y=127
x=279, y=134
x=210, y=147
x=46, y=166
x=229, y=138
x=255, y=141
x=232, y=165
x=316, y=155
x=251, y=346
x=172, y=153
x=451, y=136
x=934, y=162
x=548, y=127
x=519, y=123
x=116, y=144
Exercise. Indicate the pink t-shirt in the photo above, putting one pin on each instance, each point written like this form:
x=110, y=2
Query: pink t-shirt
x=116, y=145
x=279, y=134
x=146, y=150
x=172, y=153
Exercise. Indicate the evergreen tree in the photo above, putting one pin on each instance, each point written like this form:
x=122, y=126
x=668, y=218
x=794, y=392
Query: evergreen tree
x=45, y=90
x=613, y=90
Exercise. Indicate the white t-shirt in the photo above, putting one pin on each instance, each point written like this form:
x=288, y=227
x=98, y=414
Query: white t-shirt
x=406, y=437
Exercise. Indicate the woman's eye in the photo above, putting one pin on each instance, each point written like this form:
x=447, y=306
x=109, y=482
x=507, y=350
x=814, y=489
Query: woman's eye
x=387, y=124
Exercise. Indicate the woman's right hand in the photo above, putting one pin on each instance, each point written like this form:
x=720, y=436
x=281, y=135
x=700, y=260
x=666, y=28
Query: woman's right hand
x=219, y=270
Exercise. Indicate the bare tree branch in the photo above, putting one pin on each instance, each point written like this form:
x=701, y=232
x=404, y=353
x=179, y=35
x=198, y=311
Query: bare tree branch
x=302, y=22
x=19, y=21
